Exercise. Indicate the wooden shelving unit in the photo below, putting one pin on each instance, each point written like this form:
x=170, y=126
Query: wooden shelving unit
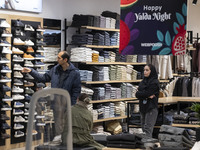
x=113, y=63
x=136, y=126
x=108, y=119
x=102, y=29
x=51, y=28
x=114, y=81
x=112, y=100
x=100, y=46
x=186, y=125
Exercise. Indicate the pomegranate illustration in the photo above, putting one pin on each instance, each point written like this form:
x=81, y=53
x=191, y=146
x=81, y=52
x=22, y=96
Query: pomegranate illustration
x=127, y=3
x=124, y=35
x=179, y=42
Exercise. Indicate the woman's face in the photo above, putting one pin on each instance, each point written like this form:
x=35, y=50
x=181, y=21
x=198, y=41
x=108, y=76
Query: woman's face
x=147, y=71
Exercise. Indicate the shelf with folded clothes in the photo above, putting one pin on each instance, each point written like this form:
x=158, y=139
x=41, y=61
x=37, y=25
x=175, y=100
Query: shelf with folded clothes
x=112, y=100
x=98, y=28
x=116, y=81
x=100, y=46
x=114, y=63
x=109, y=119
x=112, y=81
x=186, y=125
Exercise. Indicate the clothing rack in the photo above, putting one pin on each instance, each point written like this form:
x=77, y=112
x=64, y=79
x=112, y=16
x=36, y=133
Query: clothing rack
x=190, y=37
x=192, y=74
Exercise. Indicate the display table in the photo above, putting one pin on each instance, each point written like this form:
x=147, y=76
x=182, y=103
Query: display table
x=109, y=148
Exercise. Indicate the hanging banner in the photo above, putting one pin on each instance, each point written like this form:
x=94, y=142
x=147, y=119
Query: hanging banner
x=153, y=27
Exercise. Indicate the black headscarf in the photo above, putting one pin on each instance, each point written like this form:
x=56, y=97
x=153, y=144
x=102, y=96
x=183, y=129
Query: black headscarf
x=153, y=77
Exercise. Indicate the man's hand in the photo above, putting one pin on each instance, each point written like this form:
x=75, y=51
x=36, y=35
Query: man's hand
x=26, y=70
x=152, y=96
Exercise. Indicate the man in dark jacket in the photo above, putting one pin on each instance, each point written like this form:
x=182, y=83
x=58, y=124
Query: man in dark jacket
x=64, y=75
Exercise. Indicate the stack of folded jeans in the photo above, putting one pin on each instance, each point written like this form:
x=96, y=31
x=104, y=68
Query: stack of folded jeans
x=129, y=70
x=129, y=90
x=135, y=119
x=118, y=93
x=123, y=89
x=86, y=75
x=95, y=114
x=180, y=118
x=101, y=74
x=106, y=111
x=123, y=73
x=100, y=113
x=114, y=39
x=117, y=111
x=113, y=71
x=108, y=22
x=112, y=110
x=96, y=76
x=86, y=90
x=105, y=74
x=112, y=23
x=122, y=58
x=134, y=75
x=141, y=58
x=119, y=72
x=193, y=118
x=107, y=91
x=113, y=93
x=131, y=58
x=82, y=20
x=99, y=93
x=124, y=140
x=98, y=39
x=102, y=22
x=113, y=15
x=112, y=56
x=101, y=59
x=96, y=22
x=105, y=54
x=174, y=137
x=81, y=54
x=82, y=39
x=106, y=38
x=135, y=88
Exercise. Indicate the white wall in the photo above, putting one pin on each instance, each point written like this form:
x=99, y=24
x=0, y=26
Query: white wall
x=61, y=9
x=193, y=21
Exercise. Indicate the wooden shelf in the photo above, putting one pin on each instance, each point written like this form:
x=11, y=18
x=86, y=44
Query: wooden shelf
x=108, y=119
x=114, y=81
x=110, y=148
x=51, y=28
x=112, y=100
x=100, y=46
x=56, y=46
x=191, y=48
x=136, y=126
x=164, y=81
x=186, y=125
x=98, y=28
x=113, y=63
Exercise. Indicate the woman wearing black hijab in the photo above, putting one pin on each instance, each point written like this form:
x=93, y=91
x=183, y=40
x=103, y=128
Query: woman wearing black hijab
x=148, y=92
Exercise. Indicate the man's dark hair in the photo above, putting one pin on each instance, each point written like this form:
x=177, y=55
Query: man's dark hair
x=65, y=55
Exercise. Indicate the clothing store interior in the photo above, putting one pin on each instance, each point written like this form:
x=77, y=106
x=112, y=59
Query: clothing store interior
x=99, y=75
